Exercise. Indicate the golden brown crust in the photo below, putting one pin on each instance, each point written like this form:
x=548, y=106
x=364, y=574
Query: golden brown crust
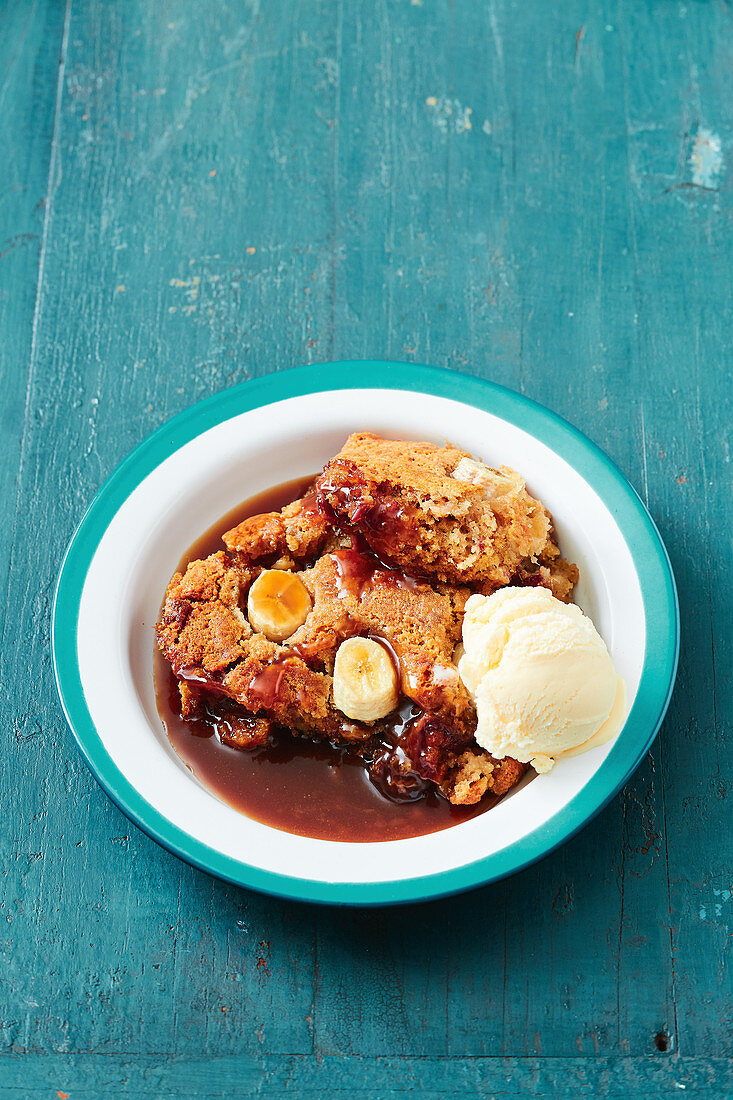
x=413, y=511
x=269, y=681
x=474, y=772
x=300, y=531
x=202, y=625
x=257, y=537
x=211, y=646
x=419, y=622
x=469, y=779
x=506, y=774
x=203, y=637
x=560, y=576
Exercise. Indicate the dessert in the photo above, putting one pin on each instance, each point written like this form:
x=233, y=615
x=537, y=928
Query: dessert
x=335, y=619
x=437, y=511
x=540, y=675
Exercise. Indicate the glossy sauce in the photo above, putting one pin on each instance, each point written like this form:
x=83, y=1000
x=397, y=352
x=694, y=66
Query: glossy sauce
x=356, y=567
x=297, y=785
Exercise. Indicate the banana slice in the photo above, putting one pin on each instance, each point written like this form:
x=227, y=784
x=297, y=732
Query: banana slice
x=497, y=483
x=364, y=680
x=278, y=603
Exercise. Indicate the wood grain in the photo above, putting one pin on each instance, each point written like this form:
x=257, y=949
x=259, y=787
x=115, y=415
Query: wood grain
x=538, y=194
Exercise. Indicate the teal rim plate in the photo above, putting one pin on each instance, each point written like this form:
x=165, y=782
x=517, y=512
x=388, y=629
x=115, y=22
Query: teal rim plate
x=650, y=561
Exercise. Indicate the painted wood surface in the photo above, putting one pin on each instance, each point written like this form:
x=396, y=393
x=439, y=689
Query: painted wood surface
x=196, y=194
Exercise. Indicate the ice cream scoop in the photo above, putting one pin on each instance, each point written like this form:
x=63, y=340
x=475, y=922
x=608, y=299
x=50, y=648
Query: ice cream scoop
x=541, y=677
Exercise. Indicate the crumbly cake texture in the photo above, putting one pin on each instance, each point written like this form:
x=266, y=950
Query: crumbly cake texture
x=204, y=635
x=390, y=544
x=437, y=511
x=297, y=533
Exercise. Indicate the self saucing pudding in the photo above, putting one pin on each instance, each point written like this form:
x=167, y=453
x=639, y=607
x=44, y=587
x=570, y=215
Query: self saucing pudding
x=336, y=621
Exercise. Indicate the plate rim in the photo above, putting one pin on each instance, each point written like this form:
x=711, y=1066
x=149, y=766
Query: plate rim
x=650, y=557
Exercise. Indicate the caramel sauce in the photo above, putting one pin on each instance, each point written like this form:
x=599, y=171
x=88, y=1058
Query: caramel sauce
x=294, y=784
x=265, y=686
x=388, y=772
x=386, y=521
x=356, y=566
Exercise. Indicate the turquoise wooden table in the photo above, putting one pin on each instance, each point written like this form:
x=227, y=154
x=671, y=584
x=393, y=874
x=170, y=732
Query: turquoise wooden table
x=196, y=194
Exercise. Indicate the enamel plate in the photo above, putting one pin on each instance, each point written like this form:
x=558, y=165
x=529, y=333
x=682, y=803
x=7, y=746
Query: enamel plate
x=231, y=446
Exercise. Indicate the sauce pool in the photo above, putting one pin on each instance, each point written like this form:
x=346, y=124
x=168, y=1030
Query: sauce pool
x=299, y=786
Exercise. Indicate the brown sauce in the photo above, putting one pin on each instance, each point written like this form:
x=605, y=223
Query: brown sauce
x=296, y=785
x=356, y=567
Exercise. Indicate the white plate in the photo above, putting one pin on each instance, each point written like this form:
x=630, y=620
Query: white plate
x=192, y=471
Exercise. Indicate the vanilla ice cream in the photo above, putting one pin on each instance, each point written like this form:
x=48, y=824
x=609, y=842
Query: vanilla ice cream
x=541, y=676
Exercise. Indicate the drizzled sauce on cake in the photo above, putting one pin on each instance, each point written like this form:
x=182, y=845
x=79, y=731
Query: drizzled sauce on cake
x=300, y=785
x=308, y=672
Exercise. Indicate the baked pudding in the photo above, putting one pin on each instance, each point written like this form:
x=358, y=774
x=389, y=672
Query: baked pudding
x=332, y=625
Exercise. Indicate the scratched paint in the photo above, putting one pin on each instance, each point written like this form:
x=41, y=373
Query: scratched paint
x=191, y=289
x=714, y=910
x=330, y=70
x=449, y=114
x=706, y=159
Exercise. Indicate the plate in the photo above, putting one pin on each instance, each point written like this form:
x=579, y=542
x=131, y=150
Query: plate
x=237, y=443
